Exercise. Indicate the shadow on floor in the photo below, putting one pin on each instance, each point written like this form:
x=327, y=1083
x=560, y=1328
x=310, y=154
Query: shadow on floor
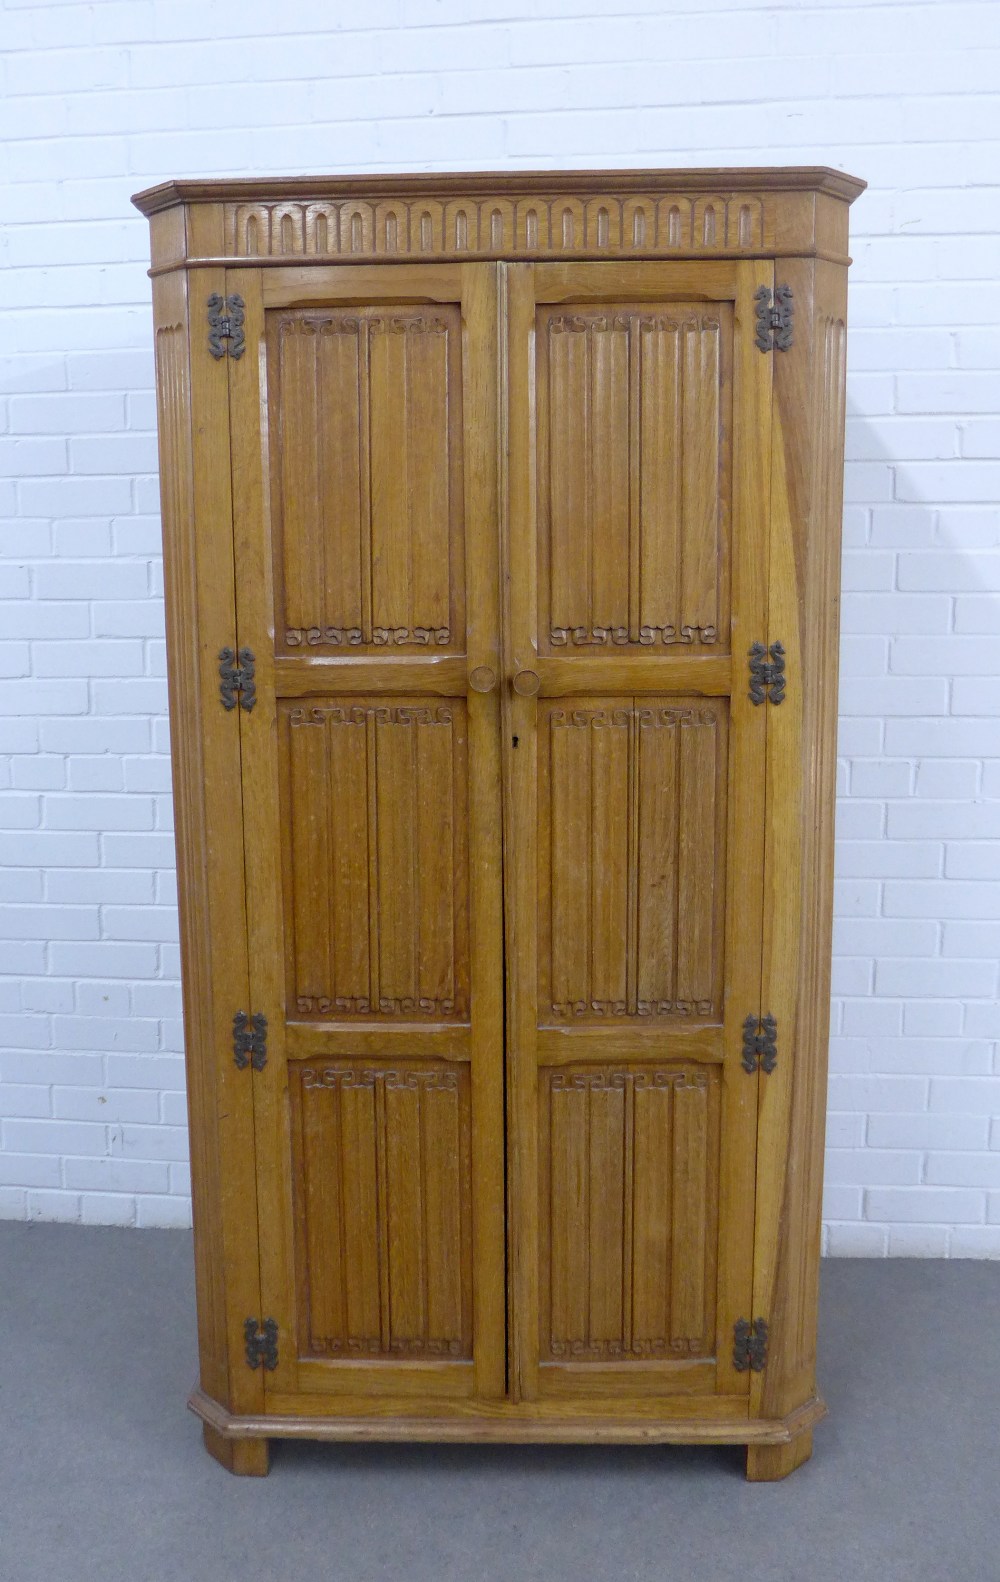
x=102, y=1474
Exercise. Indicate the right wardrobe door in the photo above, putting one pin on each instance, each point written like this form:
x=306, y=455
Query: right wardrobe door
x=635, y=542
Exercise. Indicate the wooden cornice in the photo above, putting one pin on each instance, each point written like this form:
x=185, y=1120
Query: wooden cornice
x=779, y=211
x=505, y=183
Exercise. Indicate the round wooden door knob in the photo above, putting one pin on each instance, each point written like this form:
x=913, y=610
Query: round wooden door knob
x=526, y=683
x=483, y=679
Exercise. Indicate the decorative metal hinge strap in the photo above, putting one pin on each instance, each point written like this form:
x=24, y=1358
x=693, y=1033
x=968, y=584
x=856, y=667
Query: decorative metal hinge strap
x=767, y=676
x=760, y=1043
x=749, y=1345
x=261, y=1343
x=774, y=318
x=237, y=678
x=250, y=1040
x=225, y=323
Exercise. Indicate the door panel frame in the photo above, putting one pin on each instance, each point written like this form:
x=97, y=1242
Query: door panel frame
x=480, y=1041
x=523, y=286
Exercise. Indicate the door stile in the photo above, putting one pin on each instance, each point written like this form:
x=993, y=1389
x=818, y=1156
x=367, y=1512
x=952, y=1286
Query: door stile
x=261, y=817
x=521, y=818
x=483, y=642
x=502, y=397
x=752, y=375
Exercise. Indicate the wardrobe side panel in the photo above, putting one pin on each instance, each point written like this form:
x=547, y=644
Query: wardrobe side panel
x=192, y=413
x=804, y=615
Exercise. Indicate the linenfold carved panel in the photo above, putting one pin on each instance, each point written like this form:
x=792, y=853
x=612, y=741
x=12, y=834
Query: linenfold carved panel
x=629, y=1211
x=382, y=1182
x=375, y=859
x=365, y=419
x=482, y=226
x=634, y=443
x=632, y=838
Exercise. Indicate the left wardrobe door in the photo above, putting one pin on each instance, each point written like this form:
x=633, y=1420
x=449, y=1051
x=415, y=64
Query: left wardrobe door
x=363, y=419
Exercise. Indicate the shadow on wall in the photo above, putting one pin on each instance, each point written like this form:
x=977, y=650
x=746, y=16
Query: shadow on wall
x=914, y=1088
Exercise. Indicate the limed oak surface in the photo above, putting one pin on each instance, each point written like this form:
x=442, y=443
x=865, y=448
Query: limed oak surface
x=499, y=490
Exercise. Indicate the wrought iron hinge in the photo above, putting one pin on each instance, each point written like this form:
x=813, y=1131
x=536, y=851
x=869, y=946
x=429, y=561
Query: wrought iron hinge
x=225, y=323
x=237, y=678
x=774, y=318
x=760, y=1043
x=261, y=1343
x=767, y=676
x=250, y=1040
x=749, y=1345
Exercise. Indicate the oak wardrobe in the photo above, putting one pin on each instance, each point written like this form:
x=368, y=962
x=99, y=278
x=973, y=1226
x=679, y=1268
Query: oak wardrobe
x=501, y=529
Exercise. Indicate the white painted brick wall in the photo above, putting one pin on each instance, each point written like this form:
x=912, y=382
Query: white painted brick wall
x=103, y=98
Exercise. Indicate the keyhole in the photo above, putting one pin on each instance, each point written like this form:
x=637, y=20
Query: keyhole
x=513, y=741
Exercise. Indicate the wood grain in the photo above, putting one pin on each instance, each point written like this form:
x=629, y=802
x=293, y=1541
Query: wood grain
x=376, y=848
x=373, y=872
x=634, y=440
x=752, y=374
x=628, y=1160
x=383, y=1208
x=631, y=898
x=365, y=419
x=247, y=1458
x=718, y=1420
x=770, y=1463
x=739, y=178
x=192, y=402
x=499, y=494
x=806, y=485
x=634, y=866
x=502, y=215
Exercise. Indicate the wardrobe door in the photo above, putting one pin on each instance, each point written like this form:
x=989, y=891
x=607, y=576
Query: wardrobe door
x=639, y=412
x=364, y=485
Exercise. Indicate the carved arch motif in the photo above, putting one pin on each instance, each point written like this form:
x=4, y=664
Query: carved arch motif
x=636, y=225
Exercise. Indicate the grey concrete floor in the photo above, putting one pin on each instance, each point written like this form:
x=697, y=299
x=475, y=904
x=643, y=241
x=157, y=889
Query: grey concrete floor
x=102, y=1473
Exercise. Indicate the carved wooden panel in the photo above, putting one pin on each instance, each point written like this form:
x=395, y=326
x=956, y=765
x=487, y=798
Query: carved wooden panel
x=376, y=857
x=632, y=838
x=629, y=1211
x=382, y=1207
x=365, y=419
x=634, y=457
x=632, y=225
